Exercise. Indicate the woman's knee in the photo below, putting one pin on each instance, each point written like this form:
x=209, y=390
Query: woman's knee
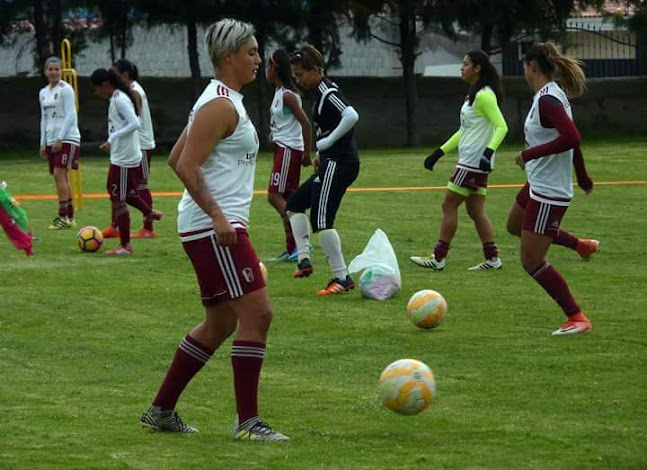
x=530, y=260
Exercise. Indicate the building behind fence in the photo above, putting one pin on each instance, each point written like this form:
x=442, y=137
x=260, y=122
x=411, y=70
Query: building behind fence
x=606, y=48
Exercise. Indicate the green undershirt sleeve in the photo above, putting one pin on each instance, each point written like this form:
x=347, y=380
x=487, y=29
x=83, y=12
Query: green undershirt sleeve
x=452, y=143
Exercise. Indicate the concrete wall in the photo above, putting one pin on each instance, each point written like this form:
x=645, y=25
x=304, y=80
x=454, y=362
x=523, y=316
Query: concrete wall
x=611, y=106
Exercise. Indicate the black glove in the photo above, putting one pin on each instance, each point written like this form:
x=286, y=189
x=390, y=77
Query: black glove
x=431, y=160
x=485, y=163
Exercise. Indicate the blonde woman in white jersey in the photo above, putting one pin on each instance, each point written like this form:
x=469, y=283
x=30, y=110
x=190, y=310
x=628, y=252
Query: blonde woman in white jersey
x=60, y=139
x=124, y=174
x=552, y=148
x=291, y=135
x=130, y=75
x=482, y=130
x=215, y=157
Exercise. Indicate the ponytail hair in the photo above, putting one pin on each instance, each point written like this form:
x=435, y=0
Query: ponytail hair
x=100, y=76
x=308, y=57
x=281, y=59
x=126, y=66
x=566, y=70
x=488, y=76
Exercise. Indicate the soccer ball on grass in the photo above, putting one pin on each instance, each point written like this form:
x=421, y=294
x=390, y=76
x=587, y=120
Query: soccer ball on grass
x=89, y=239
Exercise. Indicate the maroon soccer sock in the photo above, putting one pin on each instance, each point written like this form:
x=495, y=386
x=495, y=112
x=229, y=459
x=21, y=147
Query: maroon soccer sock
x=290, y=243
x=490, y=250
x=70, y=209
x=247, y=360
x=147, y=198
x=139, y=204
x=62, y=209
x=123, y=223
x=190, y=357
x=566, y=239
x=555, y=285
x=441, y=250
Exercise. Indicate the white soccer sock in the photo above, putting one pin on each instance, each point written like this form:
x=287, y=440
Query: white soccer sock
x=301, y=233
x=331, y=244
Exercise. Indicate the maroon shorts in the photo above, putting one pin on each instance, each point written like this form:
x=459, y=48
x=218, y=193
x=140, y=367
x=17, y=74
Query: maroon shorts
x=123, y=182
x=224, y=272
x=68, y=157
x=469, y=179
x=146, y=165
x=286, y=171
x=542, y=218
x=523, y=196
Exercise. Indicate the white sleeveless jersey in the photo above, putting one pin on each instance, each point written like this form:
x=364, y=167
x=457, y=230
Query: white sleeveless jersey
x=124, y=147
x=476, y=133
x=146, y=135
x=286, y=130
x=228, y=170
x=58, y=114
x=549, y=177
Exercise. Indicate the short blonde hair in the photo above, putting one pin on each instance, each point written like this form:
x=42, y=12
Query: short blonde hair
x=227, y=35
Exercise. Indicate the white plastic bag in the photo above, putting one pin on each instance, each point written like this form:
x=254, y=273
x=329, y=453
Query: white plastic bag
x=381, y=277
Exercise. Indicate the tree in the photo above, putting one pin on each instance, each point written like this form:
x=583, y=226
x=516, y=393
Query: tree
x=405, y=15
x=500, y=21
x=188, y=14
x=320, y=19
x=287, y=16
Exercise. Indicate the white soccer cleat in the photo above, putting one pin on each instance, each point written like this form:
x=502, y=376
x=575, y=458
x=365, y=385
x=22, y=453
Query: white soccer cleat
x=487, y=265
x=256, y=430
x=164, y=421
x=429, y=262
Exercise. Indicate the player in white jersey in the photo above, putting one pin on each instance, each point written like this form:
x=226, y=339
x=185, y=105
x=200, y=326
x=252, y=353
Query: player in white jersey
x=130, y=75
x=60, y=139
x=551, y=138
x=482, y=130
x=124, y=175
x=215, y=157
x=291, y=135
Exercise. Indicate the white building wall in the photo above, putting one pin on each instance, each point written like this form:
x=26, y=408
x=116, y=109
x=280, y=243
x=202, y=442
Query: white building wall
x=162, y=51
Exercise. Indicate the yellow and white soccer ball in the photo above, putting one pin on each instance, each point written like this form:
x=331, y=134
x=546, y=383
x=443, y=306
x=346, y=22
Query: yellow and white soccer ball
x=263, y=270
x=426, y=309
x=407, y=386
x=89, y=239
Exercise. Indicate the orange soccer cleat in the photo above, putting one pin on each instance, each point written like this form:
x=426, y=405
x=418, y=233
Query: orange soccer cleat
x=586, y=247
x=143, y=233
x=304, y=268
x=110, y=232
x=575, y=324
x=337, y=286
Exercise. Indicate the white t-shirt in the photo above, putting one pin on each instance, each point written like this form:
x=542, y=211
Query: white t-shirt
x=123, y=137
x=286, y=130
x=228, y=170
x=146, y=134
x=549, y=177
x=58, y=118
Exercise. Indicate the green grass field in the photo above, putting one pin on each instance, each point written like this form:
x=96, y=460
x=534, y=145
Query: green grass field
x=85, y=340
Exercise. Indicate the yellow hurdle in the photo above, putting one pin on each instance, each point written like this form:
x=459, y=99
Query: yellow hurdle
x=70, y=76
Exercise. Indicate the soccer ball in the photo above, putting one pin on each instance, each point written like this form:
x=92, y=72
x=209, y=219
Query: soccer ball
x=263, y=270
x=426, y=309
x=89, y=239
x=407, y=386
